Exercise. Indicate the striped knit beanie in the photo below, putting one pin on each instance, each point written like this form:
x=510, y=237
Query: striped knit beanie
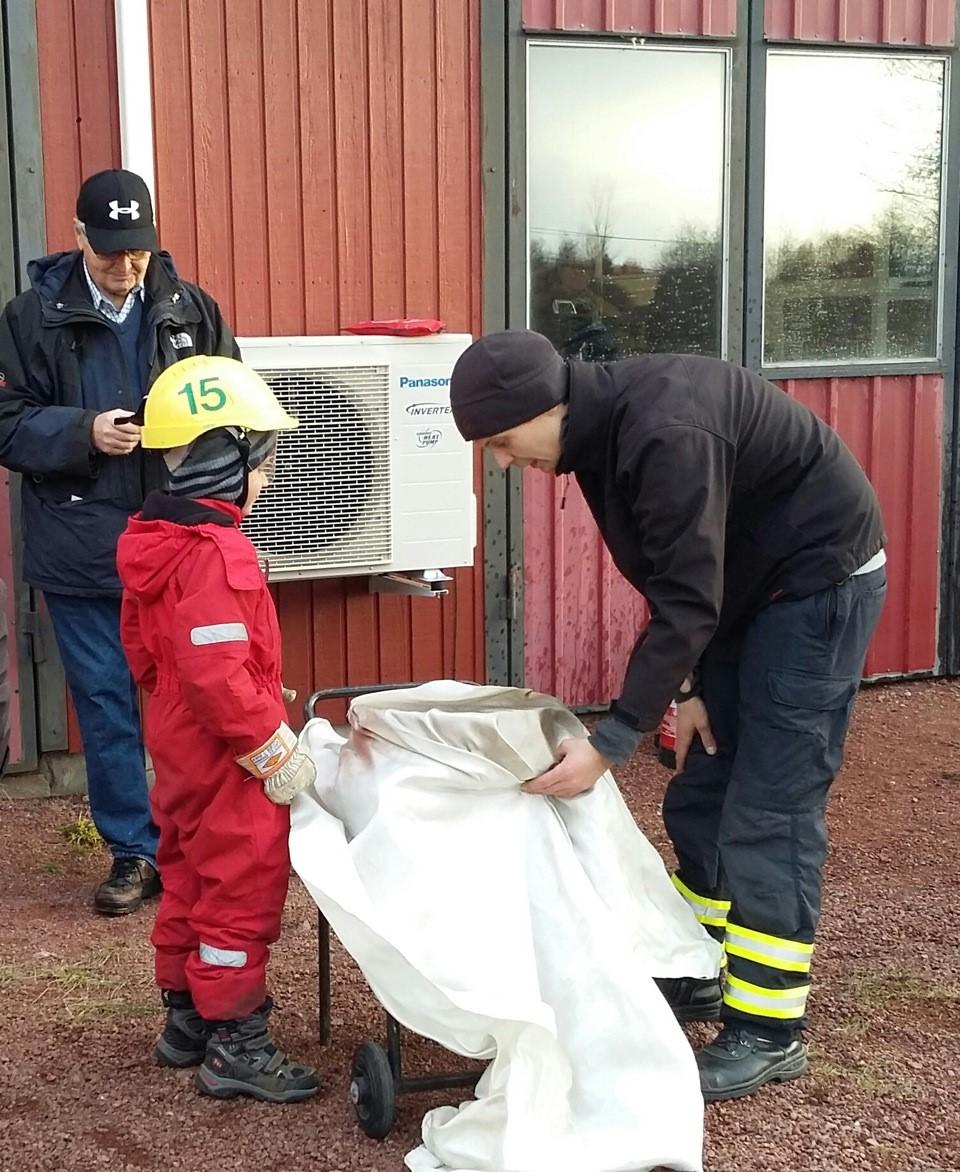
x=213, y=466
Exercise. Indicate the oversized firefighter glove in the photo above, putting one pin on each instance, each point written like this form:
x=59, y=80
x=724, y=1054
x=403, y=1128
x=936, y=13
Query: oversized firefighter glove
x=283, y=769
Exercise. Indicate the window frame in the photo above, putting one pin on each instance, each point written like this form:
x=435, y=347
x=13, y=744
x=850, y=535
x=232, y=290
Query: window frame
x=730, y=304
x=837, y=367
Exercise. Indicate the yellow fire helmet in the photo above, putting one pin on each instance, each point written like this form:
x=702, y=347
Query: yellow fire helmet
x=202, y=393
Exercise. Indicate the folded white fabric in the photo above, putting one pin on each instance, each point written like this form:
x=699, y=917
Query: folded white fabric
x=513, y=928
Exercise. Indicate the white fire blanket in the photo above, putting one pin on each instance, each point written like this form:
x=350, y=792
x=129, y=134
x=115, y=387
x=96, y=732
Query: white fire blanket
x=512, y=928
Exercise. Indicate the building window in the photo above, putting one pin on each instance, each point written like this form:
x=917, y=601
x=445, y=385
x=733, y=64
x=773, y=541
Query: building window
x=626, y=171
x=852, y=207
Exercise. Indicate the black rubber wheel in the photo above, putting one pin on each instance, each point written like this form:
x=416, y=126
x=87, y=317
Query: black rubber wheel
x=372, y=1090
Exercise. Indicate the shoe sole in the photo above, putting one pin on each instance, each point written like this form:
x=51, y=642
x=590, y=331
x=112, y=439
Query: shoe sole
x=786, y=1071
x=229, y=1088
x=117, y=909
x=168, y=1055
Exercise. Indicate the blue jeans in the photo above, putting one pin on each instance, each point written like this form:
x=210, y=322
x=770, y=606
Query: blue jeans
x=105, y=699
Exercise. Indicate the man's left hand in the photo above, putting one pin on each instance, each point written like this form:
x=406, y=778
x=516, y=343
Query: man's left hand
x=578, y=769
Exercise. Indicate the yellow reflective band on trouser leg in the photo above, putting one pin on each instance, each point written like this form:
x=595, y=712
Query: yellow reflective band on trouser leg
x=775, y=952
x=783, y=1004
x=710, y=912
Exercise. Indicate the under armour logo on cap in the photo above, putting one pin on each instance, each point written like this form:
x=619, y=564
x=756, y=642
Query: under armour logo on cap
x=116, y=211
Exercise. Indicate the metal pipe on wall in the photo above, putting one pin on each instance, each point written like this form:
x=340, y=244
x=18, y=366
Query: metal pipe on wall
x=134, y=84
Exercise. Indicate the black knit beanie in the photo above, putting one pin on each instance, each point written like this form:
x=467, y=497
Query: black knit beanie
x=505, y=379
x=214, y=467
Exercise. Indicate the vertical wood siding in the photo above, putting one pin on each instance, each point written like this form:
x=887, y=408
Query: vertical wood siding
x=317, y=163
x=862, y=22
x=78, y=104
x=694, y=18
x=582, y=618
x=80, y=120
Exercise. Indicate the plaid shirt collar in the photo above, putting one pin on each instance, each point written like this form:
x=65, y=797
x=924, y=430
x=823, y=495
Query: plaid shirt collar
x=105, y=306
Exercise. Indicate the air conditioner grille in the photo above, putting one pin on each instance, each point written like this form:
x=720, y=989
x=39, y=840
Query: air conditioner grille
x=329, y=504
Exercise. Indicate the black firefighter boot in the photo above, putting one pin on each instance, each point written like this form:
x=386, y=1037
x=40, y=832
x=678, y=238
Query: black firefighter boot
x=743, y=1058
x=184, y=1038
x=242, y=1059
x=692, y=998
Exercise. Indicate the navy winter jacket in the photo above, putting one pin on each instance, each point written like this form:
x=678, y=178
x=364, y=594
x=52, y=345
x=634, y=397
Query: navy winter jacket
x=62, y=364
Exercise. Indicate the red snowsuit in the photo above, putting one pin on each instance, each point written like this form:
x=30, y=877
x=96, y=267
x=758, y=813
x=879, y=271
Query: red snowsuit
x=201, y=634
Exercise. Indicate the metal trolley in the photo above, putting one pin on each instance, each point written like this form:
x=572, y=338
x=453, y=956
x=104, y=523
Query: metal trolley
x=376, y=1073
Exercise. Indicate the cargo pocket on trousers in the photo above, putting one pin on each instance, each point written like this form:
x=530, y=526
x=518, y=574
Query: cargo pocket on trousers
x=808, y=723
x=802, y=691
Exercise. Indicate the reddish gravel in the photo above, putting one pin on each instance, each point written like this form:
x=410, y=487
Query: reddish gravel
x=78, y=1089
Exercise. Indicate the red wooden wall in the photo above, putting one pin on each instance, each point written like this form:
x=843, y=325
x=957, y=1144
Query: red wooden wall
x=698, y=18
x=582, y=619
x=317, y=161
x=78, y=104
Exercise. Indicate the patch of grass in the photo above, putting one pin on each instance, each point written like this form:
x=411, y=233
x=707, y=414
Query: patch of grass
x=876, y=993
x=879, y=990
x=110, y=982
x=50, y=867
x=871, y=1079
x=82, y=835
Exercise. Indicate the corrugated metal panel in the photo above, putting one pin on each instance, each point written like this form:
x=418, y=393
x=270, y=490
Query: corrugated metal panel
x=894, y=426
x=582, y=618
x=319, y=162
x=870, y=22
x=694, y=18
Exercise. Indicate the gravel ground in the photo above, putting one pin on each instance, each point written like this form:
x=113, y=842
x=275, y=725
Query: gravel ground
x=78, y=1088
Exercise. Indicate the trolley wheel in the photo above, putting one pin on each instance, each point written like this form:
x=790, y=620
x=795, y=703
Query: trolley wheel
x=372, y=1090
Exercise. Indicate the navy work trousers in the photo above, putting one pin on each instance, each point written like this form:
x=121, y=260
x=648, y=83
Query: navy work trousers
x=748, y=824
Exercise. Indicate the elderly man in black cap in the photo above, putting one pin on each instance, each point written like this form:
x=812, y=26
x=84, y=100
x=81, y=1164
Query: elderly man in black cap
x=78, y=351
x=758, y=543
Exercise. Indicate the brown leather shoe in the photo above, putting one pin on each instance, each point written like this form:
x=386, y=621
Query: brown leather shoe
x=129, y=883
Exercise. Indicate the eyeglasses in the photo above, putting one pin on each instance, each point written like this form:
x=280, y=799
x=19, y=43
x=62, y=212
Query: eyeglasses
x=133, y=253
x=268, y=469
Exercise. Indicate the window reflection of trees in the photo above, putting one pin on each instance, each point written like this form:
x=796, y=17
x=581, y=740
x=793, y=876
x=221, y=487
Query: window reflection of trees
x=869, y=291
x=598, y=309
x=613, y=271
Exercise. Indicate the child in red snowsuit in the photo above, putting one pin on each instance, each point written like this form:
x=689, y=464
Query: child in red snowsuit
x=201, y=634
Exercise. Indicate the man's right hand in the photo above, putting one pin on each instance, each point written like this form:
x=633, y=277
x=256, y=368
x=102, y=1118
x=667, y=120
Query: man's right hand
x=692, y=720
x=115, y=439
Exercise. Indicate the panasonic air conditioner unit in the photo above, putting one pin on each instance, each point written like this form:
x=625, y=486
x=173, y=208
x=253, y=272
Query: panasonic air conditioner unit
x=376, y=479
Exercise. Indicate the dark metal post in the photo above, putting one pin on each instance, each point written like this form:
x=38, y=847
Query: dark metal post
x=323, y=977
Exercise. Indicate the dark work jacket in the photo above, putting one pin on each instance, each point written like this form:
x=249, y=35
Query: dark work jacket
x=61, y=364
x=716, y=493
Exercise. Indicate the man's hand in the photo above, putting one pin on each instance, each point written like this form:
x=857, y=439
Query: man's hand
x=577, y=770
x=692, y=719
x=114, y=440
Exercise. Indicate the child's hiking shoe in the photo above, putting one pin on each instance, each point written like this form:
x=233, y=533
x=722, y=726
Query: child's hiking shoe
x=242, y=1059
x=184, y=1038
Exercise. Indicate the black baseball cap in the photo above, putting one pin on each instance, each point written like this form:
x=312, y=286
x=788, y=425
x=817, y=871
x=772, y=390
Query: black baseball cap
x=116, y=212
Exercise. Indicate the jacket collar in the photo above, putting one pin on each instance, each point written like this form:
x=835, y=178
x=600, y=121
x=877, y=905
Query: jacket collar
x=182, y=510
x=589, y=413
x=60, y=282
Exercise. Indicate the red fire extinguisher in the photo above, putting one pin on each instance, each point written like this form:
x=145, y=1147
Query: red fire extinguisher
x=667, y=737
